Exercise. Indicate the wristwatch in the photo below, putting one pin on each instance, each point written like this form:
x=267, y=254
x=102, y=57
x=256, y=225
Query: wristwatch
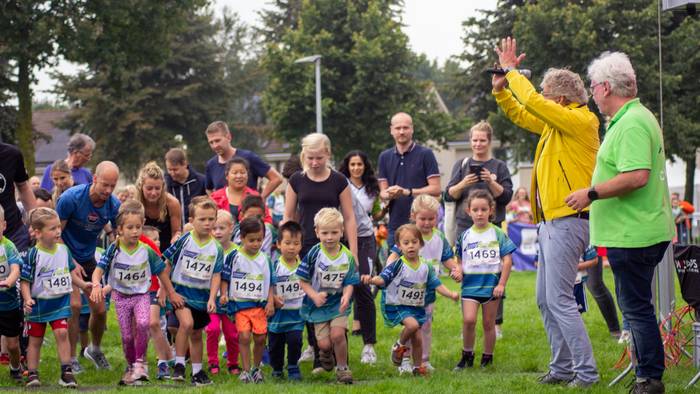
x=592, y=194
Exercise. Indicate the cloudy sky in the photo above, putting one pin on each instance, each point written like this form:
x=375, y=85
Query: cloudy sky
x=434, y=27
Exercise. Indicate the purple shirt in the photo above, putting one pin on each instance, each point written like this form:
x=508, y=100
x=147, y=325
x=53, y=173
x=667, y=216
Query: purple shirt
x=81, y=176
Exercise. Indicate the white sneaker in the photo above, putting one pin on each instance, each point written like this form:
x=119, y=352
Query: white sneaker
x=406, y=366
x=307, y=355
x=368, y=355
x=428, y=366
x=624, y=337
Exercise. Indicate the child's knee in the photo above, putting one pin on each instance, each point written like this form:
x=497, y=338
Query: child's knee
x=259, y=339
x=323, y=344
x=338, y=336
x=411, y=325
x=244, y=337
x=61, y=334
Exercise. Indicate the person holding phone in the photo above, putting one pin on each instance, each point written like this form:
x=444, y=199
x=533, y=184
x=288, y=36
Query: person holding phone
x=481, y=171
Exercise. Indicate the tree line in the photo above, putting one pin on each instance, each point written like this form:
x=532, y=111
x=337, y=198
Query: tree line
x=153, y=70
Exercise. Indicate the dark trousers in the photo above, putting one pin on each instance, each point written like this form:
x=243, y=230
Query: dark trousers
x=276, y=343
x=634, y=269
x=602, y=296
x=364, y=309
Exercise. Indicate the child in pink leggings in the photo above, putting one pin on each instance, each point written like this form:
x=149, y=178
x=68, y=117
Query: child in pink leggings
x=219, y=321
x=127, y=265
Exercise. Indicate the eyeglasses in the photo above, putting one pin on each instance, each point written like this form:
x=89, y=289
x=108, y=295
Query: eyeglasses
x=87, y=155
x=591, y=90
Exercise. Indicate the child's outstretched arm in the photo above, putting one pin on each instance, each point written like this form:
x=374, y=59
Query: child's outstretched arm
x=505, y=273
x=445, y=292
x=393, y=256
x=96, y=295
x=587, y=264
x=455, y=268
x=213, y=291
x=26, y=290
x=376, y=281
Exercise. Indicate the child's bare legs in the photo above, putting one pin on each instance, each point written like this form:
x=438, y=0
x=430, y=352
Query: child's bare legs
x=62, y=344
x=244, y=342
x=489, y=311
x=196, y=346
x=427, y=332
x=340, y=346
x=33, y=352
x=411, y=331
x=76, y=303
x=159, y=341
x=12, y=348
x=258, y=348
x=469, y=314
x=185, y=331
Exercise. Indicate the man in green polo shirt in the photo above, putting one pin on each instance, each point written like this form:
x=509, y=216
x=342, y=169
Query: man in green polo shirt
x=631, y=209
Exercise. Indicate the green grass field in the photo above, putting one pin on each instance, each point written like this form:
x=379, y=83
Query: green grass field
x=520, y=357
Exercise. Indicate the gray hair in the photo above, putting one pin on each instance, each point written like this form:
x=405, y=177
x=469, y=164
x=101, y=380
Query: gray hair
x=616, y=69
x=563, y=82
x=79, y=141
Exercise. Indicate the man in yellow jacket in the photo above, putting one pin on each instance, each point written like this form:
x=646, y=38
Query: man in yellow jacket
x=564, y=162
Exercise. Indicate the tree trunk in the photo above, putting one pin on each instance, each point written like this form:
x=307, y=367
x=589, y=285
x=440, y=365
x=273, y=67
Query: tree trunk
x=689, y=179
x=24, y=116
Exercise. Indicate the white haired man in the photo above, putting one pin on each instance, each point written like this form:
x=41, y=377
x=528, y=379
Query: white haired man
x=564, y=162
x=631, y=207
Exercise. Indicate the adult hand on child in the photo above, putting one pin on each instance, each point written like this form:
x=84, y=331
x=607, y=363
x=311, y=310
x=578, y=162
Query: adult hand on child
x=96, y=294
x=223, y=300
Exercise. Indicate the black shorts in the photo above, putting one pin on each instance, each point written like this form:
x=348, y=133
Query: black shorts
x=84, y=322
x=11, y=323
x=89, y=267
x=200, y=319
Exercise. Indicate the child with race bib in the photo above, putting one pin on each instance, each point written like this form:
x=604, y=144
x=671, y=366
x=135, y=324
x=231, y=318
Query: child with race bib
x=254, y=207
x=286, y=326
x=484, y=252
x=437, y=251
x=11, y=318
x=328, y=273
x=197, y=260
x=220, y=321
x=246, y=281
x=127, y=266
x=409, y=286
x=47, y=279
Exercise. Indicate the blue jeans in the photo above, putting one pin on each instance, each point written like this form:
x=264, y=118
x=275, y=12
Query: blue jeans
x=633, y=269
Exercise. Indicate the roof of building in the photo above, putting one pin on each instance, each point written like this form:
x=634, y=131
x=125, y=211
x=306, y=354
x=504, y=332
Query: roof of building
x=44, y=122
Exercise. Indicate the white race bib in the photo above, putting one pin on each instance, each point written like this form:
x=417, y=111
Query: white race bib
x=197, y=269
x=289, y=290
x=58, y=284
x=246, y=288
x=130, y=278
x=411, y=296
x=483, y=255
x=332, y=279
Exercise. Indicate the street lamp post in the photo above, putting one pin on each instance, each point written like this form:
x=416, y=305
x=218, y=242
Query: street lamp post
x=316, y=59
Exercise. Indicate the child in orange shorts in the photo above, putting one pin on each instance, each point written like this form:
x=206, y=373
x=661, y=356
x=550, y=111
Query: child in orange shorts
x=247, y=280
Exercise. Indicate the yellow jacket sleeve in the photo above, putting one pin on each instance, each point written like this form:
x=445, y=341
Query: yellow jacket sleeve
x=563, y=118
x=517, y=113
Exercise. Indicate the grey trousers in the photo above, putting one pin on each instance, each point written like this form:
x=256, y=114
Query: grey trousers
x=562, y=243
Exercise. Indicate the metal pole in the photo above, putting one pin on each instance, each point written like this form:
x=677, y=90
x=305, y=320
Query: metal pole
x=319, y=116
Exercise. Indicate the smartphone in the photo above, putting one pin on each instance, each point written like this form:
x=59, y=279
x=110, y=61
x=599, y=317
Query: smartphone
x=476, y=169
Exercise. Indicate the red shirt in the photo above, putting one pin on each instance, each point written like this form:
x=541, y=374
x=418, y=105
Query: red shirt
x=155, y=285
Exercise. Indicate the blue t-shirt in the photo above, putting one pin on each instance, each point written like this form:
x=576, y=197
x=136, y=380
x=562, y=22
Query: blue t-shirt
x=409, y=170
x=216, y=172
x=84, y=220
x=80, y=175
x=9, y=256
x=318, y=267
